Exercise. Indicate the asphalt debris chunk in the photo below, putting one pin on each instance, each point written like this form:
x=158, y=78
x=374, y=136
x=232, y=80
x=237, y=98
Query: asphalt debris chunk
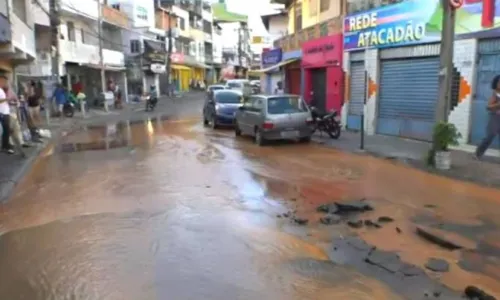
x=476, y=293
x=437, y=265
x=355, y=223
x=385, y=219
x=330, y=219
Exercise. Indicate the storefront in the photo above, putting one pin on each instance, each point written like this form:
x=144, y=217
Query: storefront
x=272, y=76
x=293, y=82
x=393, y=73
x=323, y=74
x=181, y=74
x=154, y=57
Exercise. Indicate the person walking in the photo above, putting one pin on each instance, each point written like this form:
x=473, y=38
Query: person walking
x=493, y=127
x=5, y=115
x=60, y=96
x=16, y=134
x=33, y=99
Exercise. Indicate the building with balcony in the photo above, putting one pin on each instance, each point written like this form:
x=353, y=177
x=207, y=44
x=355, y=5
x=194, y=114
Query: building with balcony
x=17, y=38
x=236, y=48
x=79, y=54
x=217, y=45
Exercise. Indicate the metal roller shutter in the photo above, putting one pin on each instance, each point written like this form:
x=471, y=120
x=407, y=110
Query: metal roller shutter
x=489, y=64
x=357, y=90
x=409, y=89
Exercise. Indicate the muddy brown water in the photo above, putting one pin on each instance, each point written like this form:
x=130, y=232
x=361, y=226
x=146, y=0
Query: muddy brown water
x=171, y=210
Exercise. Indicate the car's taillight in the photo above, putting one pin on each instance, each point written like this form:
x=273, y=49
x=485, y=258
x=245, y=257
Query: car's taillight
x=268, y=125
x=309, y=121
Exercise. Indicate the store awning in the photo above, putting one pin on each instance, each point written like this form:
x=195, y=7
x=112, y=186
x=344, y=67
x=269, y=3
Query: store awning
x=106, y=67
x=155, y=46
x=180, y=67
x=276, y=66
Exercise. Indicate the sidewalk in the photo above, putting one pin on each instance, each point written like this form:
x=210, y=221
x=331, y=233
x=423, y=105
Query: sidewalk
x=13, y=167
x=414, y=153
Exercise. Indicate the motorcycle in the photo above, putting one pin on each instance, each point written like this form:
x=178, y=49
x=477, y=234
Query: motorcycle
x=69, y=109
x=328, y=123
x=151, y=102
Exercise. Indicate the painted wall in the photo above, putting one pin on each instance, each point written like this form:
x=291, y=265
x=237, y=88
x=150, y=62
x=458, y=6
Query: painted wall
x=336, y=8
x=291, y=19
x=141, y=13
x=184, y=15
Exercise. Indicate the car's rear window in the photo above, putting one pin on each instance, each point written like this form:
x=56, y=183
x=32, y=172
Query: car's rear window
x=285, y=105
x=228, y=98
x=216, y=88
x=235, y=85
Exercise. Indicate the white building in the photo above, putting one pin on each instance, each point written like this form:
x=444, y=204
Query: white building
x=79, y=45
x=276, y=24
x=17, y=38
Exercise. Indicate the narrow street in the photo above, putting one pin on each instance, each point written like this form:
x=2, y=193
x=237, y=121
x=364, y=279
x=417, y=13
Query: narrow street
x=167, y=209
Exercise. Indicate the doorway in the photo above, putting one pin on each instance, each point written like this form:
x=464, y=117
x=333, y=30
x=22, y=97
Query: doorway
x=318, y=87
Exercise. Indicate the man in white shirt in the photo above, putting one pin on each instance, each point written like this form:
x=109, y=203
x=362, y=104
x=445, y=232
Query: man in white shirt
x=5, y=115
x=279, y=88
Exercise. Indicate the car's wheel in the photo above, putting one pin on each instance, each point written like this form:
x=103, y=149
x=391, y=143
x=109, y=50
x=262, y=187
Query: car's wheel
x=213, y=122
x=259, y=139
x=205, y=121
x=305, y=140
x=237, y=130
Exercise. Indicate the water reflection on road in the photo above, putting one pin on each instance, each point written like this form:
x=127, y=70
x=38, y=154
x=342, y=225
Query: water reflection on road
x=170, y=210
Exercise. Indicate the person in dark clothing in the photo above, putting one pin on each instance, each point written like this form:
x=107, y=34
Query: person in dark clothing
x=493, y=127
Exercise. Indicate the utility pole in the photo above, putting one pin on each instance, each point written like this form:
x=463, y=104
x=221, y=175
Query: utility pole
x=240, y=50
x=169, y=51
x=55, y=21
x=101, y=55
x=446, y=62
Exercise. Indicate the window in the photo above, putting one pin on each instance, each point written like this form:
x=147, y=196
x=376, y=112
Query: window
x=285, y=105
x=135, y=46
x=116, y=6
x=324, y=5
x=19, y=9
x=354, y=6
x=71, y=31
x=182, y=23
x=82, y=35
x=228, y=98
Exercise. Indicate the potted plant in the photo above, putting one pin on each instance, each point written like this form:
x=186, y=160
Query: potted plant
x=444, y=136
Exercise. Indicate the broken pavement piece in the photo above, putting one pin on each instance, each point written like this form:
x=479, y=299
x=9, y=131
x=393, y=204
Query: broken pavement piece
x=444, y=239
x=370, y=223
x=359, y=244
x=410, y=270
x=327, y=208
x=330, y=219
x=437, y=265
x=355, y=223
x=300, y=221
x=353, y=206
x=476, y=293
x=387, y=260
x=385, y=219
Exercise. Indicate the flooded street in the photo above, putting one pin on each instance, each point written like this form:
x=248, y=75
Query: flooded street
x=168, y=209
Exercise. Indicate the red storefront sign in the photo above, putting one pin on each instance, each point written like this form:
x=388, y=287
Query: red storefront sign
x=323, y=52
x=177, y=58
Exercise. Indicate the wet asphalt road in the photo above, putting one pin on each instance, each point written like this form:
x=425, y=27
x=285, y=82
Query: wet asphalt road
x=167, y=209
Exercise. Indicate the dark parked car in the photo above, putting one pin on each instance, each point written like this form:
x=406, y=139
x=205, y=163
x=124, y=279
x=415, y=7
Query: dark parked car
x=222, y=107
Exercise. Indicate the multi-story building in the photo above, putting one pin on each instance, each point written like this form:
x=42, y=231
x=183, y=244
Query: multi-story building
x=311, y=52
x=207, y=19
x=217, y=45
x=236, y=48
x=276, y=25
x=145, y=44
x=79, y=45
x=401, y=61
x=17, y=38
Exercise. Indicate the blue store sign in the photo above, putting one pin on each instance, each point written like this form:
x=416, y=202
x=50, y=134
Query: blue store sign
x=271, y=57
x=406, y=23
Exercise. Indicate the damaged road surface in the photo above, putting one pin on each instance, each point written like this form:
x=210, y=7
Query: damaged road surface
x=172, y=210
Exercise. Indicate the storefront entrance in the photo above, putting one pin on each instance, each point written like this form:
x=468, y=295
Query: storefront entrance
x=318, y=77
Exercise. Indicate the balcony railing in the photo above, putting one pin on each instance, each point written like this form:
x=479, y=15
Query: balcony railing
x=293, y=41
x=23, y=37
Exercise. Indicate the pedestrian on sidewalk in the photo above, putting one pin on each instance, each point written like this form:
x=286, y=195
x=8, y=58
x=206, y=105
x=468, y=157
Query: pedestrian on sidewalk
x=279, y=88
x=60, y=96
x=16, y=134
x=5, y=115
x=493, y=127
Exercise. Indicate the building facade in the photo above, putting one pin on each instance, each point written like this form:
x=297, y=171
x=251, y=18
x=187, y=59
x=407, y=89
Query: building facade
x=79, y=46
x=17, y=37
x=393, y=67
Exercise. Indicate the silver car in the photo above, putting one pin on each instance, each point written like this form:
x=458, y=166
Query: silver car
x=274, y=117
